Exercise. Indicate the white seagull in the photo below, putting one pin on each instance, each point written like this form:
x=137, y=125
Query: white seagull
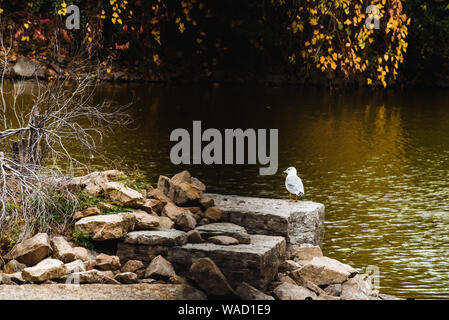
x=293, y=183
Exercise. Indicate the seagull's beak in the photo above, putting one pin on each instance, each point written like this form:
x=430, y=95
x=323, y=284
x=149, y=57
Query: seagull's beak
x=285, y=171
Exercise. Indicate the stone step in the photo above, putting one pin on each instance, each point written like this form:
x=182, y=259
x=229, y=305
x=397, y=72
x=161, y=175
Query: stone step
x=101, y=292
x=299, y=222
x=255, y=263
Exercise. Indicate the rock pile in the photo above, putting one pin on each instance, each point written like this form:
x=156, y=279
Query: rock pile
x=174, y=239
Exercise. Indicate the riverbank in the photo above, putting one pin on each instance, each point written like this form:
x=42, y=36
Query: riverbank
x=50, y=69
x=180, y=243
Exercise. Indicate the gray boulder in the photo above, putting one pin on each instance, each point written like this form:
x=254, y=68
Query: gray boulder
x=287, y=291
x=32, y=250
x=325, y=271
x=62, y=250
x=45, y=270
x=13, y=266
x=159, y=268
x=209, y=278
x=126, y=277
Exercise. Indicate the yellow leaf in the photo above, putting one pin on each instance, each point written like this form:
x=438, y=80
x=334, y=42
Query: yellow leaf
x=313, y=22
x=333, y=65
x=119, y=21
x=322, y=59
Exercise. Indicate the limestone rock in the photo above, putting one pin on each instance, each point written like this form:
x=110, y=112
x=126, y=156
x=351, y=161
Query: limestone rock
x=62, y=250
x=132, y=266
x=333, y=289
x=247, y=292
x=172, y=211
x=127, y=196
x=106, y=227
x=203, y=221
x=198, y=184
x=91, y=211
x=186, y=222
x=32, y=250
x=183, y=176
x=95, y=182
x=358, y=288
x=45, y=270
x=159, y=195
x=180, y=188
x=206, y=202
x=194, y=236
x=224, y=229
x=105, y=206
x=153, y=205
x=287, y=291
x=209, y=278
x=288, y=266
x=165, y=223
x=213, y=214
x=81, y=253
x=107, y=263
x=223, y=240
x=163, y=237
x=145, y=221
x=284, y=278
x=303, y=253
x=159, y=268
x=94, y=276
x=325, y=271
x=126, y=277
x=13, y=266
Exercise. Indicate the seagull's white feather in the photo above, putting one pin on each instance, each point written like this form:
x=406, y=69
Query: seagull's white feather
x=293, y=183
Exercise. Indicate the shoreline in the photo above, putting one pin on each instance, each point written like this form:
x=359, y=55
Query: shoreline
x=176, y=237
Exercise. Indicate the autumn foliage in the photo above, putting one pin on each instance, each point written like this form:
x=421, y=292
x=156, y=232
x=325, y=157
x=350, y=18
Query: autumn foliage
x=165, y=39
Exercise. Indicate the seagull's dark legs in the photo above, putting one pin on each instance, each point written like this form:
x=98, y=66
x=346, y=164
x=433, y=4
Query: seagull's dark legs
x=296, y=200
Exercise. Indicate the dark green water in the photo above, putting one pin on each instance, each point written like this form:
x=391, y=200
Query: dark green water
x=378, y=161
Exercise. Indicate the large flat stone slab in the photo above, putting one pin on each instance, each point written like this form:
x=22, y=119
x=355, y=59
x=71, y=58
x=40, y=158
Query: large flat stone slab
x=101, y=292
x=163, y=237
x=299, y=222
x=255, y=263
